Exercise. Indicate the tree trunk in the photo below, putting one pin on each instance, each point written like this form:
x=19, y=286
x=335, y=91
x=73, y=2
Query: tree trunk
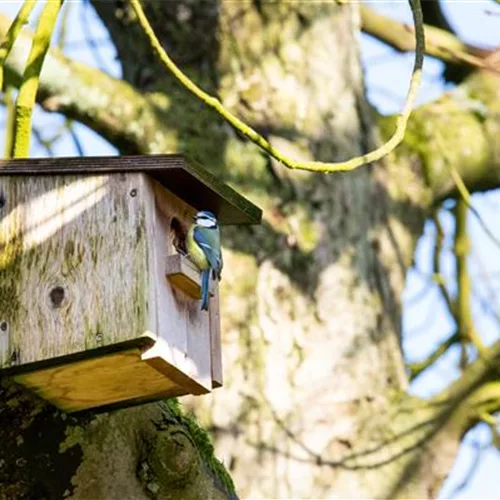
x=312, y=300
x=314, y=403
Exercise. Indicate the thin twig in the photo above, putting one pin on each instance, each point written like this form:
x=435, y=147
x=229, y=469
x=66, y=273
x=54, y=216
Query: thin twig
x=436, y=265
x=252, y=135
x=464, y=319
x=476, y=460
x=75, y=138
x=417, y=368
x=63, y=33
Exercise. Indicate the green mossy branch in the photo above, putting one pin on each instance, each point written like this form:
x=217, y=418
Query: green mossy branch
x=9, y=121
x=254, y=136
x=464, y=319
x=203, y=444
x=436, y=265
x=417, y=368
x=27, y=91
x=14, y=29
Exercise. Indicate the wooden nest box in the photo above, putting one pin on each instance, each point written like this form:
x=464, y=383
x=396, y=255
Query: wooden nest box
x=98, y=305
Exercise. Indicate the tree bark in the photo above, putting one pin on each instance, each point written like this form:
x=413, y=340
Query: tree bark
x=315, y=399
x=152, y=451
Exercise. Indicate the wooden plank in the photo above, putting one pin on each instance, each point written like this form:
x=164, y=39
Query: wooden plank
x=188, y=180
x=158, y=357
x=215, y=340
x=199, y=357
x=142, y=343
x=73, y=256
x=103, y=380
x=163, y=208
x=180, y=322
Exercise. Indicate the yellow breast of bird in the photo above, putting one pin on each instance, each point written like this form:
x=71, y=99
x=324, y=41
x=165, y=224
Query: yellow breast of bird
x=195, y=252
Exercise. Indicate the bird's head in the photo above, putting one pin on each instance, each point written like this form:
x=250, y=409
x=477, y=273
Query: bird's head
x=206, y=219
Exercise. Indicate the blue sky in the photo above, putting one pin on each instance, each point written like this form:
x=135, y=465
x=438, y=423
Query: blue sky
x=425, y=320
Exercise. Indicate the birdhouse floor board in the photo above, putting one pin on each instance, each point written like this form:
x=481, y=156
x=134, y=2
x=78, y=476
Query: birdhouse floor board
x=100, y=381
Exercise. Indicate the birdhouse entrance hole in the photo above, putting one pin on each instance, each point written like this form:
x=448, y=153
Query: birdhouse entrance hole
x=99, y=303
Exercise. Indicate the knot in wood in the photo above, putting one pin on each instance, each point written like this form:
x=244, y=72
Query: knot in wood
x=57, y=296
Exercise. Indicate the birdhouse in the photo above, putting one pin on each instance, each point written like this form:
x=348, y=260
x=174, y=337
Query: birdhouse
x=99, y=303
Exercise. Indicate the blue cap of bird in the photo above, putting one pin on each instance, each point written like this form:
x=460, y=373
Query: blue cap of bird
x=204, y=218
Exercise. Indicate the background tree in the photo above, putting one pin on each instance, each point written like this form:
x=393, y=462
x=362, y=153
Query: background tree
x=316, y=401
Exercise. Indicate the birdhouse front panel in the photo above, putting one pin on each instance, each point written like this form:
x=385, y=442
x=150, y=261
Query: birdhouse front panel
x=74, y=265
x=99, y=304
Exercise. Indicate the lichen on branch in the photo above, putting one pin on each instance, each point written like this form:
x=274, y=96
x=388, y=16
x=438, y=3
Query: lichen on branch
x=439, y=43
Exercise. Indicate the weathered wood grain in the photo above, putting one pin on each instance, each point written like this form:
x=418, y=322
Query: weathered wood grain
x=73, y=261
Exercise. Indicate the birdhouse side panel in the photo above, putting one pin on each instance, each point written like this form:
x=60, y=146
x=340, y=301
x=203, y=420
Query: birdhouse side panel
x=183, y=330
x=73, y=262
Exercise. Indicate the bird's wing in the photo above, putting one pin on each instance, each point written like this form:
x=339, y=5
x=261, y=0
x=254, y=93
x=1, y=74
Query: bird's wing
x=209, y=242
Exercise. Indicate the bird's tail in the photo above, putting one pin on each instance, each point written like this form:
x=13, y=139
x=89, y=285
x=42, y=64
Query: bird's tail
x=205, y=285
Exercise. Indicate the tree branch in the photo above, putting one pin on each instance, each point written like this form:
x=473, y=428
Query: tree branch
x=28, y=89
x=481, y=405
x=9, y=121
x=10, y=37
x=465, y=322
x=112, y=108
x=475, y=378
x=464, y=126
x=439, y=43
x=417, y=368
x=436, y=265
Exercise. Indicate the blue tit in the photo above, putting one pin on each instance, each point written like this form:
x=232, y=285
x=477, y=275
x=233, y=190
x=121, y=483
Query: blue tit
x=203, y=246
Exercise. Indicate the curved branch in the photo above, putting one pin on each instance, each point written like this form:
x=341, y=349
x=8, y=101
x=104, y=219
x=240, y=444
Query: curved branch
x=466, y=120
x=251, y=134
